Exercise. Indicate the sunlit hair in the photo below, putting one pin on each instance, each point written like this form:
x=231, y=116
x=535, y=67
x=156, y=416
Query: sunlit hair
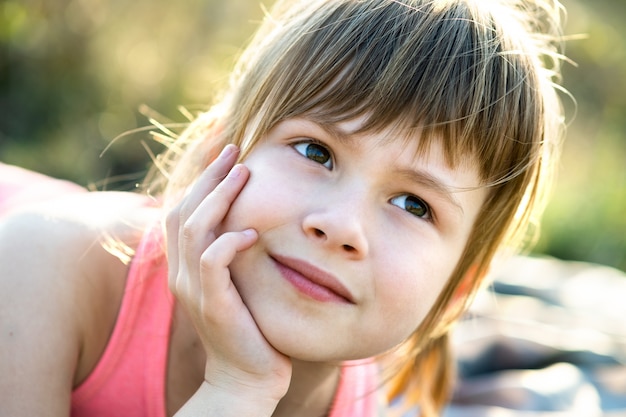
x=475, y=76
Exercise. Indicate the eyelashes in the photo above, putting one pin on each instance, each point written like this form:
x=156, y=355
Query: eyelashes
x=316, y=152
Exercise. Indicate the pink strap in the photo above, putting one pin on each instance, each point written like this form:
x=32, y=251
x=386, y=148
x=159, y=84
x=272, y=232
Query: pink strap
x=130, y=378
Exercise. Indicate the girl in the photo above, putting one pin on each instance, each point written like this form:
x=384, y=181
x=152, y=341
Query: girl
x=323, y=225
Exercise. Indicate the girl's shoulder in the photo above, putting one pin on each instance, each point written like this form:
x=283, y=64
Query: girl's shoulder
x=65, y=223
x=61, y=285
x=70, y=233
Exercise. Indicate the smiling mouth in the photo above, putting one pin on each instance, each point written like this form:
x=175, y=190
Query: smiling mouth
x=312, y=281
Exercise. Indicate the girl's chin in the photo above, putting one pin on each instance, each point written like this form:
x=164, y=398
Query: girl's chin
x=292, y=343
x=306, y=347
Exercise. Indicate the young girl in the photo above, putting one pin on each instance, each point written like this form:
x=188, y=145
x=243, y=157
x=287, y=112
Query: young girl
x=312, y=237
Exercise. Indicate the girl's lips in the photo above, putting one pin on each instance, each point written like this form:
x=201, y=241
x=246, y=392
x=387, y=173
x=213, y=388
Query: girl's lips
x=312, y=281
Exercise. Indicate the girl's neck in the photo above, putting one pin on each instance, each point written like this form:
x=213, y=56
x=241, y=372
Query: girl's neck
x=312, y=390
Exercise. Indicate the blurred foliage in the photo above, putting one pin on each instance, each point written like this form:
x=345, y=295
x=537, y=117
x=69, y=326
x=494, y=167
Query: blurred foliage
x=76, y=73
x=586, y=217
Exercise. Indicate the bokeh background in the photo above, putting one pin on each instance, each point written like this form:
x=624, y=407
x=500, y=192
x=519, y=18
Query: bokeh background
x=74, y=74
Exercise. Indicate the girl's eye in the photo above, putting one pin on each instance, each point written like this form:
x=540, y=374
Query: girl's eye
x=414, y=205
x=315, y=152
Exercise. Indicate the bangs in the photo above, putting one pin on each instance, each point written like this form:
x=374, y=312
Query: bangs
x=439, y=68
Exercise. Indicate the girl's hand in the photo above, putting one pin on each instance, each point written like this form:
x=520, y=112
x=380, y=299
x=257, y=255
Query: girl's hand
x=240, y=361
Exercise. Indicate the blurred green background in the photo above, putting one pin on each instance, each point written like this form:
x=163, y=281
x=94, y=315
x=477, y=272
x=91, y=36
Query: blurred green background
x=74, y=74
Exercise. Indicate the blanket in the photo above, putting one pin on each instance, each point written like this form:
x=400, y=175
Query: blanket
x=547, y=339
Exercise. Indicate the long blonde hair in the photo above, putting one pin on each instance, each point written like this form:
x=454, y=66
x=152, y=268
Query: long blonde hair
x=476, y=76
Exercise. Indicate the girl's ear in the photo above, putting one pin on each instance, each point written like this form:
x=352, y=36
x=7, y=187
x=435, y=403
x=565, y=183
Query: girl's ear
x=465, y=291
x=467, y=284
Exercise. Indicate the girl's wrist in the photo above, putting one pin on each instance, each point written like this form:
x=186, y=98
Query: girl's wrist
x=270, y=385
x=218, y=401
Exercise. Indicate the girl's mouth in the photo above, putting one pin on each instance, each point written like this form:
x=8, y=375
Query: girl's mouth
x=312, y=281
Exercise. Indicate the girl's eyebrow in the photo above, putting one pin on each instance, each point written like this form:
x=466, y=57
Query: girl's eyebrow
x=333, y=130
x=432, y=182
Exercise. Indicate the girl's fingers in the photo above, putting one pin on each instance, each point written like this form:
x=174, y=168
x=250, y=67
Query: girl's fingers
x=215, y=278
x=211, y=286
x=176, y=219
x=209, y=179
x=198, y=231
x=214, y=207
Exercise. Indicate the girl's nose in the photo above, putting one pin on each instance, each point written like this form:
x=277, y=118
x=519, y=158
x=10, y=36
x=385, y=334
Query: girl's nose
x=338, y=227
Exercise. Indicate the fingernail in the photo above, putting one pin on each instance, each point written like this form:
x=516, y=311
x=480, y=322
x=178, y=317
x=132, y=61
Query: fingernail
x=236, y=171
x=249, y=232
x=228, y=150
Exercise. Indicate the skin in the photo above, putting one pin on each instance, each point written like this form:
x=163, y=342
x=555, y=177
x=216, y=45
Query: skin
x=245, y=341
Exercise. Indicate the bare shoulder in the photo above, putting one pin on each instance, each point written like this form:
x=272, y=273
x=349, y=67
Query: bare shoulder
x=60, y=291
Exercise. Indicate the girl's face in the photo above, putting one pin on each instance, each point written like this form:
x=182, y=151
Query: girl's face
x=357, y=237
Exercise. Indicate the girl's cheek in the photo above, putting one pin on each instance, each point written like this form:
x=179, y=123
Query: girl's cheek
x=250, y=205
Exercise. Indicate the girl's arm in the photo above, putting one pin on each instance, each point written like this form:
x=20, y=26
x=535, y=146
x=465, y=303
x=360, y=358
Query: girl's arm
x=39, y=333
x=60, y=292
x=244, y=375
